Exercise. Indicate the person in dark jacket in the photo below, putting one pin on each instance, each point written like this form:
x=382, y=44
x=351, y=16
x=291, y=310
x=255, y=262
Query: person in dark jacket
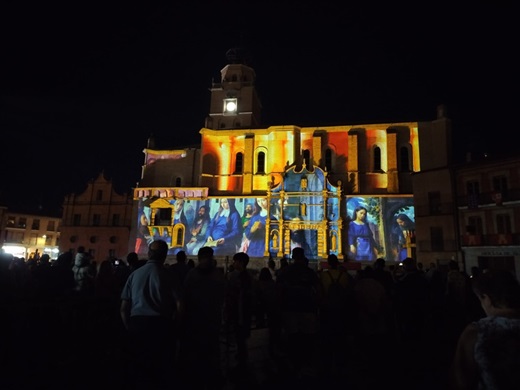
x=298, y=288
x=148, y=311
x=239, y=305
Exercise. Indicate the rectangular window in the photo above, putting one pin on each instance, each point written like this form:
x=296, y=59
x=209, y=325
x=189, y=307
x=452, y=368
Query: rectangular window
x=328, y=159
x=474, y=225
x=48, y=239
x=500, y=185
x=116, y=218
x=96, y=219
x=473, y=194
x=434, y=201
x=404, y=160
x=260, y=162
x=503, y=223
x=35, y=224
x=76, y=220
x=99, y=195
x=11, y=221
x=51, y=226
x=377, y=159
x=437, y=239
x=472, y=187
x=163, y=217
x=22, y=222
x=239, y=162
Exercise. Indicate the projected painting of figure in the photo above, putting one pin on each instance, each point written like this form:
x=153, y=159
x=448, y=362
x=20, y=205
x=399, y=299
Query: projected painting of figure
x=378, y=227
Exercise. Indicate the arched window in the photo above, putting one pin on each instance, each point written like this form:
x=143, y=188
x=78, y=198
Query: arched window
x=306, y=157
x=328, y=160
x=404, y=159
x=178, y=182
x=260, y=163
x=239, y=160
x=377, y=159
x=180, y=237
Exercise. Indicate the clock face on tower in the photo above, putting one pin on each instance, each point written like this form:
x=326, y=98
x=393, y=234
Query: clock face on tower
x=230, y=106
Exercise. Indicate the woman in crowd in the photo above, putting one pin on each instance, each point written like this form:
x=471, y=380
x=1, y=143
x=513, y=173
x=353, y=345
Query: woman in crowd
x=488, y=350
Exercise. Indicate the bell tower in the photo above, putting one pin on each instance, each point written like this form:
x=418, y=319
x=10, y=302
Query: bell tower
x=234, y=101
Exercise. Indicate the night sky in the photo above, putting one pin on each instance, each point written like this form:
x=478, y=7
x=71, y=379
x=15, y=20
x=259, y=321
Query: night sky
x=84, y=85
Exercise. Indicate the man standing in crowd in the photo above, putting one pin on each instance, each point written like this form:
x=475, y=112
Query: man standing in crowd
x=148, y=309
x=297, y=289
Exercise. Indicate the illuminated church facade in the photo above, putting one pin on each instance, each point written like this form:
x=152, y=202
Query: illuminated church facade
x=265, y=190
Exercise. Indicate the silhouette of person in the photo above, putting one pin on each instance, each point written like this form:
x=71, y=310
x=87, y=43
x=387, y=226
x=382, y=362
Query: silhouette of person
x=298, y=240
x=178, y=271
x=239, y=305
x=297, y=289
x=148, y=309
x=201, y=310
x=487, y=355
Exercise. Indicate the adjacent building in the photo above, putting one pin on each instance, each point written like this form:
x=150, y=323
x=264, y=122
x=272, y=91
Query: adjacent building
x=488, y=210
x=30, y=236
x=99, y=219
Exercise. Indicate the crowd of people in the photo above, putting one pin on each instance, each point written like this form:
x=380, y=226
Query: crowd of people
x=145, y=324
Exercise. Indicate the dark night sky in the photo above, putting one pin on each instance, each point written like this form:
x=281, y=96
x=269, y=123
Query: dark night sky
x=84, y=86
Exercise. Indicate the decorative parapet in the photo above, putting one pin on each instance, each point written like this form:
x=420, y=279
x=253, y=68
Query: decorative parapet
x=171, y=192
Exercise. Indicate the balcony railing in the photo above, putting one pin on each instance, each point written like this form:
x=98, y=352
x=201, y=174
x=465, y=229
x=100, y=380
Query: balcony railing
x=490, y=239
x=488, y=198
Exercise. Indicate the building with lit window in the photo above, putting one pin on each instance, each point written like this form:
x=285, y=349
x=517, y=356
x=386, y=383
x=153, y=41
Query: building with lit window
x=302, y=183
x=488, y=206
x=30, y=236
